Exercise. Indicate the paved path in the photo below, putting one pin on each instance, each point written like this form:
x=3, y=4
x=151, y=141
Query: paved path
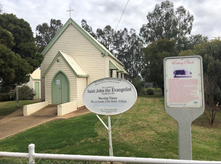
x=16, y=122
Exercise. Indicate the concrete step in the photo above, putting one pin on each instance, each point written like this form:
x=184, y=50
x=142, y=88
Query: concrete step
x=48, y=111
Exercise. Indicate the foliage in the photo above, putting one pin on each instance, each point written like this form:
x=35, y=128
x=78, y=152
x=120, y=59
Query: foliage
x=125, y=44
x=137, y=82
x=45, y=33
x=18, y=53
x=5, y=97
x=26, y=93
x=210, y=51
x=217, y=97
x=88, y=28
x=164, y=22
x=150, y=91
x=128, y=49
x=153, y=59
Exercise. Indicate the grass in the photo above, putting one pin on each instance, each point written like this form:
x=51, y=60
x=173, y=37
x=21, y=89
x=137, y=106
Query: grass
x=8, y=107
x=145, y=130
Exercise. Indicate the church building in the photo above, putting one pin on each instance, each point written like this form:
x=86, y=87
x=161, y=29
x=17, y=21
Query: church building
x=72, y=60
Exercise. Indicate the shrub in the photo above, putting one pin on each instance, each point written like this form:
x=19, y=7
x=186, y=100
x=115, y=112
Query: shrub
x=138, y=85
x=150, y=92
x=26, y=93
x=10, y=96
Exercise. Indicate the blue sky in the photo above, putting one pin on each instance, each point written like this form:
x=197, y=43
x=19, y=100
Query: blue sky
x=99, y=13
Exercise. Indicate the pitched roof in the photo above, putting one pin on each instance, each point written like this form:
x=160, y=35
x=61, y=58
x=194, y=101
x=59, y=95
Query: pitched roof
x=36, y=74
x=78, y=71
x=98, y=45
x=117, y=67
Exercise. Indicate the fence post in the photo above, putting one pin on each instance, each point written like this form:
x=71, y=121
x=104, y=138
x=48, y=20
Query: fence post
x=31, y=151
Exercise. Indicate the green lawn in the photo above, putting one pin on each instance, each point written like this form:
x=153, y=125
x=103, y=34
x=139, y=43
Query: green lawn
x=145, y=130
x=7, y=107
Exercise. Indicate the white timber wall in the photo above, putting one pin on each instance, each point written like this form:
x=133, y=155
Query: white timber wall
x=73, y=43
x=81, y=85
x=64, y=68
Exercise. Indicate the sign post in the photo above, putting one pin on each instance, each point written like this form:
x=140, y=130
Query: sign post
x=109, y=96
x=184, y=96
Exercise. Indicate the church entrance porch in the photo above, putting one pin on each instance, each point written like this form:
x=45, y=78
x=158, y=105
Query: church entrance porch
x=60, y=89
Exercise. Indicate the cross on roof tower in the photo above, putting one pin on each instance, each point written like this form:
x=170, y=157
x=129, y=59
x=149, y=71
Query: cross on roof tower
x=70, y=11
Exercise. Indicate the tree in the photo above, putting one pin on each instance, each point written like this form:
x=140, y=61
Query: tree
x=128, y=49
x=0, y=8
x=106, y=37
x=125, y=45
x=153, y=59
x=164, y=22
x=211, y=54
x=88, y=28
x=18, y=53
x=45, y=33
x=185, y=43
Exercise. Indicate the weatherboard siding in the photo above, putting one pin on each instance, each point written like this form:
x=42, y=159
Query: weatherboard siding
x=81, y=85
x=73, y=43
x=64, y=68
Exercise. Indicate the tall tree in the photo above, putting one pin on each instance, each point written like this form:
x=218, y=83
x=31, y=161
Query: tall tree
x=211, y=53
x=153, y=58
x=125, y=45
x=0, y=8
x=18, y=52
x=128, y=49
x=185, y=43
x=164, y=22
x=46, y=32
x=106, y=37
x=87, y=28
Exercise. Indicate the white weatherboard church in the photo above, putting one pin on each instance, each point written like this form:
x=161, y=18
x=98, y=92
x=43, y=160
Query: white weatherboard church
x=72, y=60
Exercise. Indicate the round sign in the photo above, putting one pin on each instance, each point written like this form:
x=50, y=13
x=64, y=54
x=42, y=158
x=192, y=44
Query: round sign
x=109, y=96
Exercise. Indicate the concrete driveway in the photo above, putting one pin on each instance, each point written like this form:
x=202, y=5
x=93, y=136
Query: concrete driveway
x=16, y=122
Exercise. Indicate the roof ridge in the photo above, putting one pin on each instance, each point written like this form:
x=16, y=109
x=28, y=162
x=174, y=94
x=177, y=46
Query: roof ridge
x=94, y=41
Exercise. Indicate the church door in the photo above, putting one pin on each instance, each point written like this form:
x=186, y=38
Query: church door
x=37, y=90
x=60, y=89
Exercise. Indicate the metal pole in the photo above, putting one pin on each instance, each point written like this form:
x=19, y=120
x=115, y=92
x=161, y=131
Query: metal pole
x=110, y=138
x=184, y=141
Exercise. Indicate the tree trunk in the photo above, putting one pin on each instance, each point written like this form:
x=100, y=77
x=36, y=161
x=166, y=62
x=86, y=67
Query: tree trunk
x=17, y=99
x=162, y=88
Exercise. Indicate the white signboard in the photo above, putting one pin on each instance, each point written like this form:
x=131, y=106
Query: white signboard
x=183, y=82
x=109, y=96
x=184, y=96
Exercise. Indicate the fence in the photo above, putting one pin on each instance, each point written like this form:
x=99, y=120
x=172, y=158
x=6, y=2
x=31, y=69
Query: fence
x=31, y=157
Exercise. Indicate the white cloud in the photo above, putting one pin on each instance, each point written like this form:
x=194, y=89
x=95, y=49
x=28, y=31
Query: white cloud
x=99, y=13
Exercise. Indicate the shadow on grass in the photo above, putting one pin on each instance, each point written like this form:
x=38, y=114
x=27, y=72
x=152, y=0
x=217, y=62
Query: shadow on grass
x=204, y=122
x=7, y=111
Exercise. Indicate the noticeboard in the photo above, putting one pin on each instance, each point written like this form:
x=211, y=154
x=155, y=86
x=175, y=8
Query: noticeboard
x=183, y=82
x=184, y=96
x=109, y=96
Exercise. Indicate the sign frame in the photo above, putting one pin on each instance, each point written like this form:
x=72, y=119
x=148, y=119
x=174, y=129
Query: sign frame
x=109, y=96
x=184, y=115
